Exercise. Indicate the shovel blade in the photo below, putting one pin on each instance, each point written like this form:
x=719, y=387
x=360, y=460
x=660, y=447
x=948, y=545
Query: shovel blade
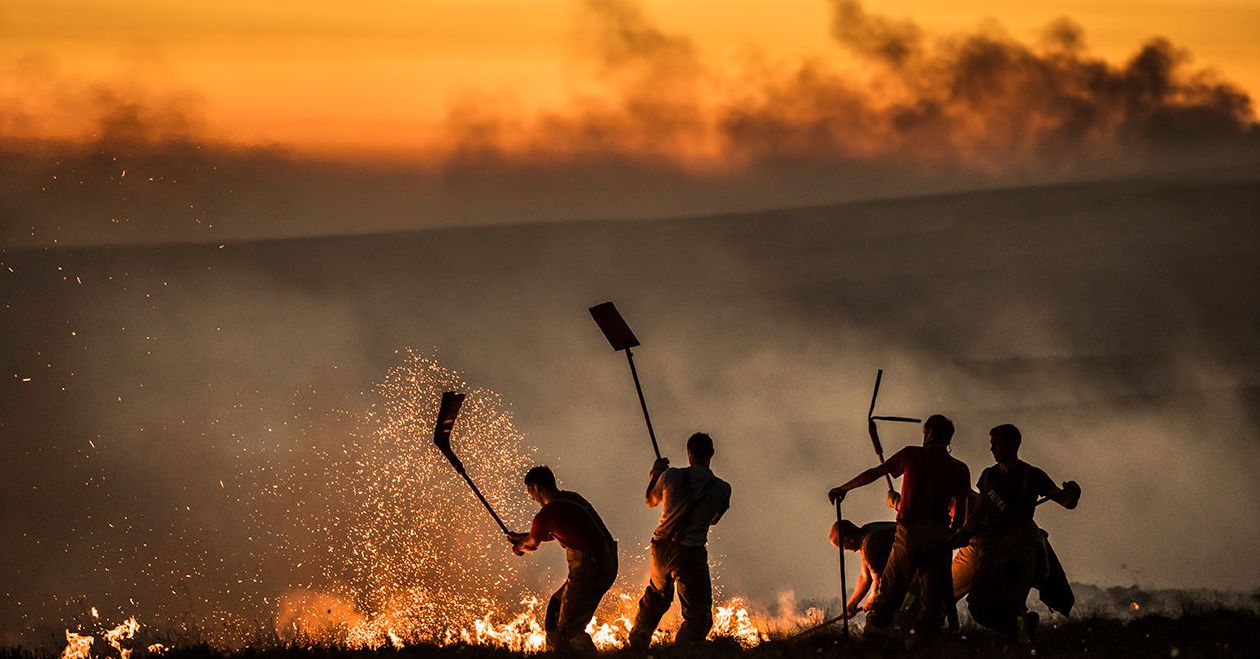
x=451, y=402
x=613, y=326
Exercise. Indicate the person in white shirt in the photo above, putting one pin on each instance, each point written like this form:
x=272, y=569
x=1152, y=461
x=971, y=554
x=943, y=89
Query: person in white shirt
x=692, y=499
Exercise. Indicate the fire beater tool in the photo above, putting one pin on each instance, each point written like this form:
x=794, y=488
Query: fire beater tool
x=620, y=337
x=451, y=402
x=844, y=591
x=844, y=585
x=870, y=425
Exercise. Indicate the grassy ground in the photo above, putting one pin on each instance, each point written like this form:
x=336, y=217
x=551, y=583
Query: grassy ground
x=1205, y=634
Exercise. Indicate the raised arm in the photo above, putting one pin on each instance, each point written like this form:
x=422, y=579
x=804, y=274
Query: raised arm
x=1068, y=496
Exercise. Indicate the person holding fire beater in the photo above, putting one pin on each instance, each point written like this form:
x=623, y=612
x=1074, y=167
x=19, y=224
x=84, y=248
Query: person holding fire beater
x=692, y=499
x=570, y=520
x=932, y=482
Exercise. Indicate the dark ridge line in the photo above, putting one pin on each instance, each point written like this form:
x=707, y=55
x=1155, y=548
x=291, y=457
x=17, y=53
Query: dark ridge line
x=1241, y=178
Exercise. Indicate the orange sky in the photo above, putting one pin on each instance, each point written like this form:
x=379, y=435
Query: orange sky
x=379, y=74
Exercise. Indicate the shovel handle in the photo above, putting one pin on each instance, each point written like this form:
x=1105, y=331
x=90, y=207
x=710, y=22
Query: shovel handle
x=844, y=582
x=634, y=373
x=903, y=419
x=485, y=503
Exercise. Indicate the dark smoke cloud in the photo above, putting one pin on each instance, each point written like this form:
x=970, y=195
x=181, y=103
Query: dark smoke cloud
x=675, y=134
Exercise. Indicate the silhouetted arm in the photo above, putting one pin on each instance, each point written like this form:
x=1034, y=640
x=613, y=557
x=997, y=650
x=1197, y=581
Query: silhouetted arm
x=721, y=511
x=656, y=488
x=962, y=500
x=865, y=478
x=1067, y=496
x=862, y=587
x=524, y=543
x=960, y=512
x=971, y=526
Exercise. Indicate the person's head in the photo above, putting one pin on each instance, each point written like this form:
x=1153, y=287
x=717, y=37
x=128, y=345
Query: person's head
x=540, y=483
x=938, y=430
x=699, y=449
x=848, y=532
x=1004, y=442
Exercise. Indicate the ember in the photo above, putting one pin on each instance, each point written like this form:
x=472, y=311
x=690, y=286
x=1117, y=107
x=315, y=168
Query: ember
x=405, y=553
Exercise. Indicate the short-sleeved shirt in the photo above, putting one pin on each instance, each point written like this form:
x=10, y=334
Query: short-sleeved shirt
x=931, y=479
x=877, y=543
x=678, y=487
x=1010, y=497
x=572, y=521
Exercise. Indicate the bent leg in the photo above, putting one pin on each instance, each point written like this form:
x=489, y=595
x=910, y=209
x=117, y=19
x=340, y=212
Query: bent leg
x=894, y=581
x=963, y=569
x=657, y=597
x=937, y=591
x=589, y=579
x=695, y=595
x=551, y=620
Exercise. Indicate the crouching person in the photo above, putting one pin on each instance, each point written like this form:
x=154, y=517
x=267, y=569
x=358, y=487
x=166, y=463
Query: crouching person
x=570, y=520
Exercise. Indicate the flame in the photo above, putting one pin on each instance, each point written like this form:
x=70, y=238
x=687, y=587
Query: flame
x=733, y=621
x=127, y=631
x=521, y=634
x=77, y=646
x=610, y=636
x=1134, y=606
x=309, y=619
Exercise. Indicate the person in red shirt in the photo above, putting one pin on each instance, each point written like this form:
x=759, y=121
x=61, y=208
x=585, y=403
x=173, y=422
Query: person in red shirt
x=933, y=483
x=570, y=520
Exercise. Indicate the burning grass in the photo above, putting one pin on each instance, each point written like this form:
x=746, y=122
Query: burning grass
x=1208, y=633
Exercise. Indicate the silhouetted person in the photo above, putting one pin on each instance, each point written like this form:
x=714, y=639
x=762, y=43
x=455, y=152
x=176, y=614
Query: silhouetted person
x=569, y=519
x=1006, y=540
x=932, y=483
x=691, y=499
x=874, y=542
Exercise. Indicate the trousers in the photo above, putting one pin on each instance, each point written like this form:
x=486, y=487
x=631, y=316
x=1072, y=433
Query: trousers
x=920, y=549
x=573, y=605
x=685, y=569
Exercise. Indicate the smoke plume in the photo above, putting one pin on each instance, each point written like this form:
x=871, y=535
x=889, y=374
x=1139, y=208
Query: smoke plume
x=672, y=133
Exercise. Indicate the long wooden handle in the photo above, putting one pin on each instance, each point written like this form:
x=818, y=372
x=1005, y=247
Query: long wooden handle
x=844, y=582
x=634, y=373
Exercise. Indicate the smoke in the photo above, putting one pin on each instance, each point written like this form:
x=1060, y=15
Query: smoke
x=149, y=390
x=670, y=131
x=156, y=393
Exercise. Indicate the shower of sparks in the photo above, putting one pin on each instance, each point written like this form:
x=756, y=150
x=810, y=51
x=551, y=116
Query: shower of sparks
x=364, y=536
x=404, y=552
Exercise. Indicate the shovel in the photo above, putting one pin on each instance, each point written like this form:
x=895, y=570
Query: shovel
x=451, y=402
x=620, y=337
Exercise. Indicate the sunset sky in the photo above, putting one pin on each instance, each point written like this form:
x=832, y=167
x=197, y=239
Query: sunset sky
x=364, y=77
